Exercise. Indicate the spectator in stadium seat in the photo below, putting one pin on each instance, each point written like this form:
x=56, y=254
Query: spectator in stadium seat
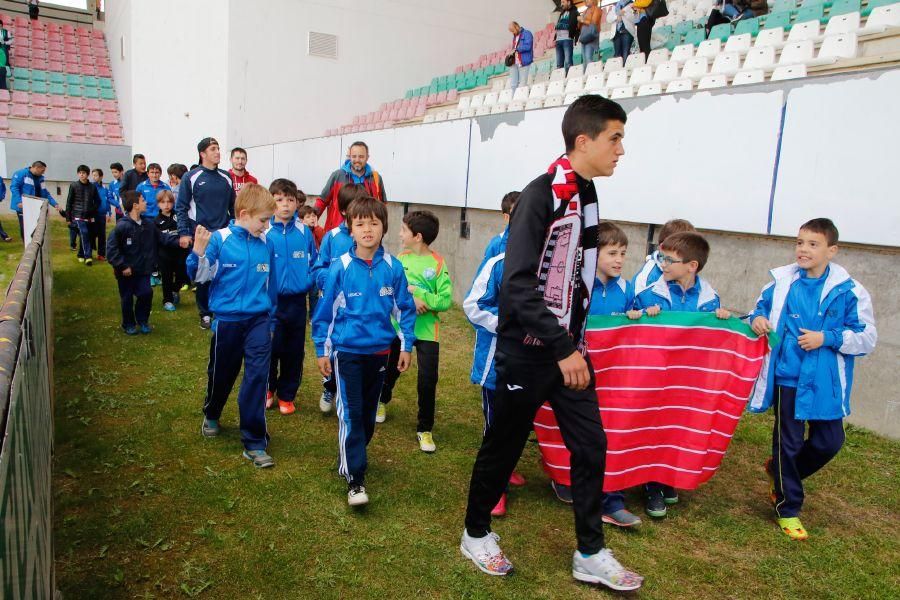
x=240, y=176
x=728, y=12
x=206, y=197
x=6, y=39
x=522, y=47
x=625, y=28
x=644, y=29
x=566, y=34
x=590, y=24
x=33, y=9
x=356, y=170
x=30, y=182
x=136, y=176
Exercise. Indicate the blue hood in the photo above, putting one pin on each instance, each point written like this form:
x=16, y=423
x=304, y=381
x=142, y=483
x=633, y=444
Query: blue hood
x=353, y=176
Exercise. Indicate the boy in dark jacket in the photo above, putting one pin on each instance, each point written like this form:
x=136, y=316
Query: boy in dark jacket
x=132, y=250
x=81, y=210
x=172, y=267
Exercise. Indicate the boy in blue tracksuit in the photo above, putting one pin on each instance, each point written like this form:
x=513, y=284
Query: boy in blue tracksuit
x=498, y=242
x=151, y=187
x=650, y=272
x=335, y=244
x=237, y=261
x=824, y=318
x=353, y=331
x=294, y=252
x=30, y=182
x=107, y=201
x=3, y=235
x=681, y=257
x=116, y=170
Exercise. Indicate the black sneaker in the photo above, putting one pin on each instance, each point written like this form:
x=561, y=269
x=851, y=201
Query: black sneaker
x=563, y=492
x=655, y=504
x=205, y=322
x=670, y=494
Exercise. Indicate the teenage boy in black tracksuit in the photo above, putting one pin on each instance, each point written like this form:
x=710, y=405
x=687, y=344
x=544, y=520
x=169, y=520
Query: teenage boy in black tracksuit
x=81, y=210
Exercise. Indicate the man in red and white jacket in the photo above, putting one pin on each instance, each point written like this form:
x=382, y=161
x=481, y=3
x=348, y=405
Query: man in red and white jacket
x=238, y=171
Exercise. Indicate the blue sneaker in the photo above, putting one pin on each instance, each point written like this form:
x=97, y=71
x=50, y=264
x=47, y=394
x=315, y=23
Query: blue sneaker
x=131, y=330
x=209, y=428
x=168, y=306
x=155, y=281
x=145, y=328
x=259, y=458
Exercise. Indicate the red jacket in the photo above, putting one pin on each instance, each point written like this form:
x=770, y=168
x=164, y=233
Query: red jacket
x=238, y=182
x=329, y=198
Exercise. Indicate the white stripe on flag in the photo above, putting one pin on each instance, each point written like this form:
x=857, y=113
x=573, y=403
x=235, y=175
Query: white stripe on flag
x=663, y=326
x=657, y=408
x=673, y=387
x=649, y=347
x=668, y=367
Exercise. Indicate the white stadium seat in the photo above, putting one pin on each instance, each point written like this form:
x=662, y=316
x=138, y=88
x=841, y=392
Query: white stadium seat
x=760, y=58
x=537, y=92
x=498, y=108
x=709, y=48
x=482, y=110
x=739, y=43
x=695, y=68
x=882, y=18
x=557, y=74
x=505, y=97
x=515, y=105
x=683, y=53
x=641, y=75
x=464, y=102
x=804, y=31
x=534, y=103
x=679, y=85
x=570, y=98
x=553, y=101
x=635, y=60
x=658, y=56
x=617, y=79
x=650, y=89
x=748, y=77
x=789, y=72
x=770, y=38
x=712, y=81
x=837, y=47
x=477, y=100
x=556, y=88
x=848, y=23
x=575, y=71
x=521, y=94
x=467, y=113
x=666, y=72
x=490, y=99
x=625, y=91
x=613, y=64
x=727, y=63
x=795, y=53
x=594, y=67
x=594, y=82
x=575, y=86
x=441, y=116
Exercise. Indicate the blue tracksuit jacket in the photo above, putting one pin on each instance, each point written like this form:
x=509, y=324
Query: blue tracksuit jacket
x=23, y=182
x=146, y=189
x=481, y=306
x=238, y=266
x=359, y=300
x=107, y=200
x=825, y=378
x=701, y=297
x=293, y=250
x=496, y=245
x=206, y=197
x=335, y=244
x=614, y=298
x=648, y=274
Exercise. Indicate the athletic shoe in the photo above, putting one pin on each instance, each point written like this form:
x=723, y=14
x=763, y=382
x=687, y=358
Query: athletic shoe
x=88, y=262
x=71, y=248
x=604, y=568
x=563, y=492
x=209, y=428
x=670, y=494
x=793, y=528
x=185, y=288
x=259, y=458
x=426, y=442
x=270, y=400
x=326, y=401
x=145, y=328
x=485, y=553
x=176, y=298
x=131, y=330
x=101, y=258
x=516, y=479
x=770, y=472
x=622, y=518
x=286, y=408
x=205, y=322
x=655, y=505
x=155, y=280
x=80, y=259
x=9, y=239
x=168, y=306
x=357, y=496
x=500, y=509
x=381, y=413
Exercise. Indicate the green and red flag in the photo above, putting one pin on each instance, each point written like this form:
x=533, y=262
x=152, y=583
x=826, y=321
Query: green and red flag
x=671, y=390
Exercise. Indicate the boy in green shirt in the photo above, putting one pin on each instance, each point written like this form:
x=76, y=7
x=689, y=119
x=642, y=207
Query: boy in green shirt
x=430, y=285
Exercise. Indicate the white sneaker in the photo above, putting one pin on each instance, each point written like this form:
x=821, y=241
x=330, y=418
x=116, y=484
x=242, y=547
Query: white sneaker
x=604, y=568
x=381, y=413
x=357, y=496
x=326, y=401
x=426, y=442
x=485, y=553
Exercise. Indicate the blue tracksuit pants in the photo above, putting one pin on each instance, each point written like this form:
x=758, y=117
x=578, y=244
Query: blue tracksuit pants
x=136, y=296
x=234, y=342
x=288, y=346
x=359, y=379
x=796, y=458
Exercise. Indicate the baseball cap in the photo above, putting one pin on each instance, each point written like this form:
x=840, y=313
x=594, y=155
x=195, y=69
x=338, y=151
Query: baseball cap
x=206, y=143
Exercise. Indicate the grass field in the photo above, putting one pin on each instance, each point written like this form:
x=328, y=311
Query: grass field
x=146, y=508
x=10, y=253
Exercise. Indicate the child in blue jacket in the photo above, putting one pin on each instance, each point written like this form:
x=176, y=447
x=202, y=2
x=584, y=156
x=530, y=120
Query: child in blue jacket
x=824, y=319
x=353, y=331
x=293, y=249
x=237, y=262
x=650, y=272
x=108, y=200
x=681, y=257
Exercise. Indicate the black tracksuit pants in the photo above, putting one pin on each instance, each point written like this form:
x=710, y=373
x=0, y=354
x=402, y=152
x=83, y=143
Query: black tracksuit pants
x=427, y=357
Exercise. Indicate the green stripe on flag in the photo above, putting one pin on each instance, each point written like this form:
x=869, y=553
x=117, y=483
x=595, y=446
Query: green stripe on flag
x=680, y=319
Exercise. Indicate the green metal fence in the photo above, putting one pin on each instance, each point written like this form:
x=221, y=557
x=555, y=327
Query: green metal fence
x=26, y=424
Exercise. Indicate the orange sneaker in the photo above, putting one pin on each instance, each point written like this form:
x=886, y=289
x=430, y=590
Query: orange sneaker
x=516, y=479
x=270, y=400
x=500, y=509
x=286, y=408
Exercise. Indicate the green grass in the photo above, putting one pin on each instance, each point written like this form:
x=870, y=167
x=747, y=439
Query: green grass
x=10, y=253
x=145, y=507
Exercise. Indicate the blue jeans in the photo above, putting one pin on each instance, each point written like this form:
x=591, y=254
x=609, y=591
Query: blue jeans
x=518, y=73
x=564, y=54
x=622, y=44
x=588, y=51
x=84, y=234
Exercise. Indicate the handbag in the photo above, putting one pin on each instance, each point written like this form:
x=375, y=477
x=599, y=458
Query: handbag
x=588, y=34
x=510, y=59
x=657, y=9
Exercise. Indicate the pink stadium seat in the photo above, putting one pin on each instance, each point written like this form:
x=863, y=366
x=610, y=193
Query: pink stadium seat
x=70, y=49
x=4, y=96
x=98, y=52
x=108, y=105
x=97, y=34
x=356, y=120
x=56, y=66
x=4, y=109
x=58, y=138
x=92, y=104
x=20, y=111
x=94, y=117
x=94, y=130
x=40, y=112
x=452, y=95
x=442, y=97
x=88, y=59
x=57, y=101
x=58, y=114
x=21, y=21
x=394, y=115
x=68, y=29
x=37, y=24
x=20, y=97
x=40, y=100
x=113, y=131
x=78, y=129
x=420, y=110
x=17, y=135
x=38, y=34
x=77, y=103
x=37, y=44
x=55, y=55
x=430, y=99
x=104, y=72
x=384, y=115
x=88, y=69
x=39, y=63
x=410, y=112
x=76, y=115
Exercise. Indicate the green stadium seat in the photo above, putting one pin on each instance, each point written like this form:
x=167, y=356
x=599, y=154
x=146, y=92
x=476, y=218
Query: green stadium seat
x=750, y=26
x=21, y=85
x=873, y=4
x=90, y=80
x=779, y=19
x=683, y=27
x=697, y=36
x=92, y=92
x=75, y=90
x=407, y=95
x=73, y=79
x=606, y=50
x=811, y=13
x=806, y=3
x=58, y=89
x=106, y=94
x=843, y=7
x=664, y=31
x=106, y=83
x=21, y=73
x=721, y=31
x=39, y=87
x=785, y=5
x=38, y=75
x=481, y=80
x=56, y=77
x=674, y=40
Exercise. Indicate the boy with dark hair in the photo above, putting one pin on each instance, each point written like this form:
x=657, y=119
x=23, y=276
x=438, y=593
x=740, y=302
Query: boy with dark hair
x=81, y=210
x=237, y=260
x=150, y=188
x=432, y=290
x=134, y=177
x=115, y=186
x=107, y=202
x=29, y=181
x=824, y=319
x=650, y=272
x=240, y=176
x=172, y=260
x=540, y=344
x=176, y=172
x=353, y=331
x=132, y=248
x=294, y=254
x=334, y=245
x=309, y=217
x=680, y=258
x=499, y=241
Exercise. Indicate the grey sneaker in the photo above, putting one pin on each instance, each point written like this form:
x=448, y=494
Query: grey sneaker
x=205, y=322
x=326, y=402
x=260, y=459
x=622, y=518
x=485, y=553
x=604, y=568
x=357, y=496
x=210, y=427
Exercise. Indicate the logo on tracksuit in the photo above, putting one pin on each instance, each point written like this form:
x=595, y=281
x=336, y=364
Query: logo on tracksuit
x=262, y=268
x=386, y=291
x=298, y=254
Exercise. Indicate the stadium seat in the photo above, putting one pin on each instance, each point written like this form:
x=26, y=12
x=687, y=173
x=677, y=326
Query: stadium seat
x=21, y=73
x=709, y=49
x=515, y=105
x=476, y=101
x=107, y=94
x=113, y=131
x=594, y=67
x=94, y=130
x=613, y=64
x=748, y=77
x=40, y=87
x=640, y=76
x=556, y=88
x=784, y=5
x=695, y=68
x=622, y=92
x=4, y=109
x=5, y=96
x=681, y=54
x=750, y=26
x=553, y=101
x=779, y=19
x=837, y=47
x=808, y=30
x=842, y=7
x=847, y=23
x=658, y=57
x=679, y=85
x=739, y=43
x=534, y=103
x=19, y=97
x=650, y=89
x=575, y=71
x=727, y=63
x=797, y=53
x=57, y=101
x=760, y=58
x=811, y=13
x=574, y=86
x=773, y=38
x=40, y=112
x=783, y=73
x=521, y=94
x=58, y=114
x=635, y=60
x=882, y=18
x=594, y=83
x=19, y=111
x=666, y=72
x=537, y=92
x=709, y=82
x=720, y=32
x=482, y=111
x=570, y=98
x=21, y=85
x=505, y=97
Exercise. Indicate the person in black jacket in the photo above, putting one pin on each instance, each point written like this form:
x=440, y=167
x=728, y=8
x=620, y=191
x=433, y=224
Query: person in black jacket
x=548, y=275
x=134, y=177
x=132, y=250
x=81, y=210
x=566, y=34
x=172, y=267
